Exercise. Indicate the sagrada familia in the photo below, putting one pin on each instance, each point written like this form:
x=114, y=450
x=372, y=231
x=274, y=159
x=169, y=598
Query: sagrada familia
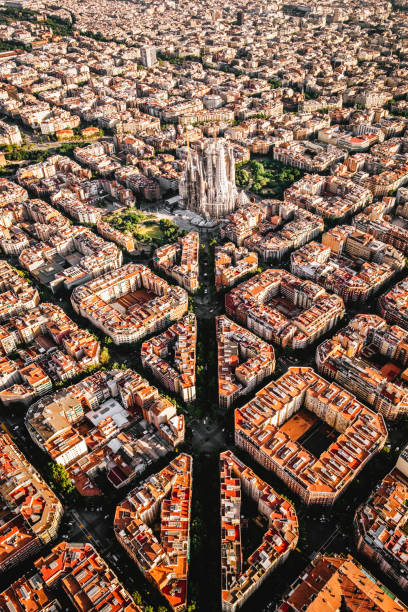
x=208, y=185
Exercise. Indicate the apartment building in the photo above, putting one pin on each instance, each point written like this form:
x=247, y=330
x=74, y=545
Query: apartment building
x=375, y=221
x=56, y=348
x=120, y=238
x=17, y=295
x=244, y=361
x=99, y=157
x=162, y=560
x=258, y=431
x=393, y=305
x=338, y=579
x=232, y=264
x=44, y=177
x=348, y=262
x=280, y=537
x=46, y=244
x=379, y=524
x=10, y=134
x=76, y=427
x=180, y=261
x=330, y=197
x=308, y=156
x=242, y=222
x=86, y=579
x=271, y=228
x=283, y=309
x=112, y=304
x=18, y=541
x=349, y=359
x=35, y=511
x=29, y=593
x=171, y=357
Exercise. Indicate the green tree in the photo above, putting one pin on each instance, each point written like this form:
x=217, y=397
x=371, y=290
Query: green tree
x=60, y=478
x=137, y=598
x=196, y=543
x=104, y=357
x=165, y=223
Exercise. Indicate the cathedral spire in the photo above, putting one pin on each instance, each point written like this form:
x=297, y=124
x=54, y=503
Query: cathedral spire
x=208, y=185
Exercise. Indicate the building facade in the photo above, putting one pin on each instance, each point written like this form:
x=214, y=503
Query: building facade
x=208, y=185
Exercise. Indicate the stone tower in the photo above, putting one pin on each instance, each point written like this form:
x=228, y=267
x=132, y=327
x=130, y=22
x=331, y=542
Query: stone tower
x=208, y=185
